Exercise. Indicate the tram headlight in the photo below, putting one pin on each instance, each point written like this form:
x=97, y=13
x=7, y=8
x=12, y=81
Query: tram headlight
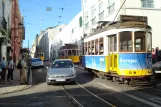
x=130, y=72
x=134, y=72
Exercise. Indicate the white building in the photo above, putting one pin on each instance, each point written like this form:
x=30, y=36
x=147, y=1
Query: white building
x=72, y=33
x=33, y=49
x=108, y=10
x=5, y=25
x=46, y=39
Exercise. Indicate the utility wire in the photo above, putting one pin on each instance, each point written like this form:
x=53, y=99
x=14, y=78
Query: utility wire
x=119, y=10
x=62, y=9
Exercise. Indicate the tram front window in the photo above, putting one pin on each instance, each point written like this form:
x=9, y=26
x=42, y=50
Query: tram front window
x=74, y=52
x=125, y=41
x=139, y=41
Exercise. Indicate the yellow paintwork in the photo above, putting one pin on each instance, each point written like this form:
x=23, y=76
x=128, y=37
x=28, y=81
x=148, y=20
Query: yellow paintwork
x=42, y=58
x=144, y=72
x=75, y=59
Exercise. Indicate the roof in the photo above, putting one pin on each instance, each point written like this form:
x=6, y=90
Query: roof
x=119, y=25
x=69, y=46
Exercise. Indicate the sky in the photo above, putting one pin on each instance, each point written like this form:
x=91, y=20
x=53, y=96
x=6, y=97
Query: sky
x=36, y=18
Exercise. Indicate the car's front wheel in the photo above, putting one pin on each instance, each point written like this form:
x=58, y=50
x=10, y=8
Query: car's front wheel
x=47, y=82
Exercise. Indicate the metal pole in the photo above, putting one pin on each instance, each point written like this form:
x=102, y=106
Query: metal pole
x=28, y=73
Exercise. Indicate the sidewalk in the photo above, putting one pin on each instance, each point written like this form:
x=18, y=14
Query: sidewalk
x=7, y=87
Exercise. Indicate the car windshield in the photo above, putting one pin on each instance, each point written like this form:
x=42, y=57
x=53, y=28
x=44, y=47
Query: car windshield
x=62, y=64
x=35, y=60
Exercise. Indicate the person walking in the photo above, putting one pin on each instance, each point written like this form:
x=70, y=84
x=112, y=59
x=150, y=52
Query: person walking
x=23, y=71
x=10, y=69
x=3, y=63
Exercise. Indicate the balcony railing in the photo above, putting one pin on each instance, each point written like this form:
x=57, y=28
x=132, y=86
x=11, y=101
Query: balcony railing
x=3, y=23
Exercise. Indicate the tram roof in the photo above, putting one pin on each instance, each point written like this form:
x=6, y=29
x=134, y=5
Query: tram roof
x=118, y=25
x=69, y=46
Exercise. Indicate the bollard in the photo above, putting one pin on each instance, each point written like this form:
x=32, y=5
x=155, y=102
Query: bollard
x=28, y=75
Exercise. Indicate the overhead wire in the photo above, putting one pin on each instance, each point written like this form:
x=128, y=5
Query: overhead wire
x=62, y=9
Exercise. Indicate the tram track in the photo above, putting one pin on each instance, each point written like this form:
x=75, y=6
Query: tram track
x=81, y=100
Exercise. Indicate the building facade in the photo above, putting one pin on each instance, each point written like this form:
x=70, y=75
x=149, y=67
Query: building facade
x=46, y=39
x=5, y=25
x=72, y=33
x=17, y=30
x=110, y=10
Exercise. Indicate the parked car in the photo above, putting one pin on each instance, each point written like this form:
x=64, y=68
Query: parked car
x=157, y=68
x=36, y=63
x=61, y=71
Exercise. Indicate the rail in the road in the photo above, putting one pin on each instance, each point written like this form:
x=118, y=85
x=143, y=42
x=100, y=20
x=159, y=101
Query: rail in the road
x=72, y=97
x=78, y=102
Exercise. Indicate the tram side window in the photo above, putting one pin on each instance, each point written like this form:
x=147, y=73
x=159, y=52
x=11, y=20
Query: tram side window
x=85, y=49
x=125, y=41
x=101, y=46
x=92, y=48
x=96, y=47
x=89, y=48
x=139, y=41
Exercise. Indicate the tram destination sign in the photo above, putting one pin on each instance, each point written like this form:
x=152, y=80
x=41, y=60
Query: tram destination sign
x=125, y=18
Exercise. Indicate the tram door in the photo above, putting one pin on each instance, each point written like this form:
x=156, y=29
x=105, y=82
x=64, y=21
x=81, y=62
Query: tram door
x=112, y=56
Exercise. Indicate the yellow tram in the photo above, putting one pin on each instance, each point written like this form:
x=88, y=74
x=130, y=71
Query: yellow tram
x=121, y=50
x=70, y=51
x=40, y=55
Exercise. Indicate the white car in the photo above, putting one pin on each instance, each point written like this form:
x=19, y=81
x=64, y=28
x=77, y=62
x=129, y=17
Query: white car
x=61, y=70
x=36, y=63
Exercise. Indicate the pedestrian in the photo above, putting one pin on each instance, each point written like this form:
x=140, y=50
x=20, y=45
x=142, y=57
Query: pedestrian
x=10, y=69
x=3, y=64
x=23, y=71
x=153, y=56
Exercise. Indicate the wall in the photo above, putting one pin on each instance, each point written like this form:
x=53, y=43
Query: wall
x=72, y=33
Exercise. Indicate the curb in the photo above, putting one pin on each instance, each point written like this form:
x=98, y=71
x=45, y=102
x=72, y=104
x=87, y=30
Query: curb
x=17, y=90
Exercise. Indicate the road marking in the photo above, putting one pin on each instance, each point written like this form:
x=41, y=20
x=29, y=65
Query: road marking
x=131, y=96
x=96, y=96
x=156, y=99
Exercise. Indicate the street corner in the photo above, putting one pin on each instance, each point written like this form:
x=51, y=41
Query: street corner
x=13, y=88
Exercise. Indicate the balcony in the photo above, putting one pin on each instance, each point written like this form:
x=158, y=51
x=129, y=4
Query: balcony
x=3, y=23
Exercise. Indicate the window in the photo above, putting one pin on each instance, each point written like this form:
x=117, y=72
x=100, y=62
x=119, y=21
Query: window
x=147, y=3
x=93, y=15
x=89, y=48
x=80, y=21
x=85, y=49
x=149, y=42
x=101, y=46
x=125, y=41
x=74, y=52
x=101, y=12
x=62, y=64
x=92, y=48
x=60, y=30
x=96, y=47
x=139, y=41
x=69, y=53
x=111, y=6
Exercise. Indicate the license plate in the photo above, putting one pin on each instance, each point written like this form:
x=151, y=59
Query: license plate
x=157, y=71
x=60, y=79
